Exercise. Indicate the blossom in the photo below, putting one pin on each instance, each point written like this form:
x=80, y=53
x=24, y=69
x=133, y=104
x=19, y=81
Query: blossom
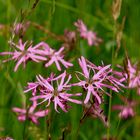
x=58, y=95
x=69, y=39
x=6, y=138
x=90, y=36
x=126, y=110
x=2, y=26
x=36, y=86
x=57, y=57
x=95, y=79
x=30, y=113
x=133, y=75
x=22, y=55
x=94, y=110
x=20, y=28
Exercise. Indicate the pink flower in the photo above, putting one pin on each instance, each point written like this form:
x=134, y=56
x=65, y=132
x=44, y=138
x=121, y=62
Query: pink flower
x=94, y=110
x=57, y=57
x=126, y=110
x=6, y=138
x=86, y=34
x=133, y=75
x=22, y=55
x=2, y=26
x=58, y=95
x=95, y=79
x=24, y=114
x=20, y=28
x=37, y=86
x=69, y=40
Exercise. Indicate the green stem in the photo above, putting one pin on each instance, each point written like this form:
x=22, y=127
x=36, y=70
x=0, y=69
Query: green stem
x=110, y=98
x=109, y=116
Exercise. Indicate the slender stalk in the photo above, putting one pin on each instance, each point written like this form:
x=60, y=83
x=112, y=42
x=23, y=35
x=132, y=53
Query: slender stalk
x=110, y=98
x=109, y=116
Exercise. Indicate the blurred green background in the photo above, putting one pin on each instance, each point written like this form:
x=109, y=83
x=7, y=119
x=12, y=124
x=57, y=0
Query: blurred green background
x=56, y=16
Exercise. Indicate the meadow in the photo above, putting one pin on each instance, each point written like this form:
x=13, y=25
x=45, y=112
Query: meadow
x=92, y=43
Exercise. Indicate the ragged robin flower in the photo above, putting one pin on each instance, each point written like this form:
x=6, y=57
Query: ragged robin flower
x=90, y=36
x=133, y=75
x=23, y=52
x=57, y=57
x=95, y=79
x=30, y=113
x=56, y=92
x=126, y=110
x=94, y=110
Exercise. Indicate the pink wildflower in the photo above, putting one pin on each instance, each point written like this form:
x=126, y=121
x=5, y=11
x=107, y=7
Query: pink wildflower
x=2, y=26
x=69, y=39
x=6, y=138
x=22, y=55
x=30, y=113
x=95, y=79
x=36, y=86
x=126, y=110
x=20, y=28
x=94, y=110
x=57, y=57
x=133, y=75
x=86, y=34
x=58, y=95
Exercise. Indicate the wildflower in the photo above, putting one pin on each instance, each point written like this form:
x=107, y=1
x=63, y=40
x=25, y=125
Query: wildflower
x=6, y=138
x=36, y=86
x=105, y=137
x=24, y=114
x=95, y=79
x=22, y=55
x=69, y=39
x=58, y=95
x=20, y=28
x=126, y=110
x=57, y=57
x=94, y=110
x=133, y=75
x=2, y=26
x=90, y=36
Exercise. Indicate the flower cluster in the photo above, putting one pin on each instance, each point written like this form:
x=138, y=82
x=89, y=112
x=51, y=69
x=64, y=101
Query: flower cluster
x=133, y=75
x=24, y=52
x=55, y=90
x=96, y=81
x=96, y=78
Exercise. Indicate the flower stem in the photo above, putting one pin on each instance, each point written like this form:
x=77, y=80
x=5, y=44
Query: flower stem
x=110, y=99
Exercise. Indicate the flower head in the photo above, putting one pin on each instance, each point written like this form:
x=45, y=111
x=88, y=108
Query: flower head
x=86, y=34
x=95, y=111
x=95, y=79
x=69, y=39
x=126, y=110
x=133, y=75
x=22, y=53
x=58, y=95
x=57, y=57
x=30, y=113
x=35, y=87
x=20, y=28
